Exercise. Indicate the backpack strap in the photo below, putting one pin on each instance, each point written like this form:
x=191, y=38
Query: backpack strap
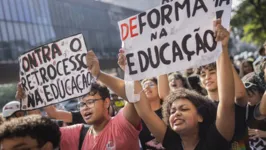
x=83, y=132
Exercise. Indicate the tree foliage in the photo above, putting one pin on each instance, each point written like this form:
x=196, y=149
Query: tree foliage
x=7, y=93
x=249, y=21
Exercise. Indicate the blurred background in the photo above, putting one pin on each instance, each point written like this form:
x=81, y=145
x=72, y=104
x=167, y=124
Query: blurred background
x=25, y=24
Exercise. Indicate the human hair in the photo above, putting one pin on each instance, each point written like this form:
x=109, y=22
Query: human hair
x=249, y=62
x=178, y=76
x=150, y=79
x=204, y=106
x=35, y=126
x=253, y=78
x=208, y=67
x=1, y=119
x=101, y=89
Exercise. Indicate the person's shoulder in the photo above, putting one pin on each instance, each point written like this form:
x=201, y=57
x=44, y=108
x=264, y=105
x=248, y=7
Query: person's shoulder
x=72, y=127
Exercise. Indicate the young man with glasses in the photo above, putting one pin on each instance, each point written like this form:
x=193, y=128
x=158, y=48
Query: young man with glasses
x=119, y=132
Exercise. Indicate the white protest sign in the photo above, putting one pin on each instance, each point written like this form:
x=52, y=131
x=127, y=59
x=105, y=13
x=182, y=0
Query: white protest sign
x=223, y=10
x=54, y=72
x=168, y=38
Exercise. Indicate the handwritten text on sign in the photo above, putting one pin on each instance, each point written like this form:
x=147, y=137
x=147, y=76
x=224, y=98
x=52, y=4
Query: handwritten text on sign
x=55, y=72
x=168, y=38
x=223, y=9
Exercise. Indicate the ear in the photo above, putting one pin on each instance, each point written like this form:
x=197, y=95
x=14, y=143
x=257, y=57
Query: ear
x=107, y=103
x=200, y=118
x=47, y=145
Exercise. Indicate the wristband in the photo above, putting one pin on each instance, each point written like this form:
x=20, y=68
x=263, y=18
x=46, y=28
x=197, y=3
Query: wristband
x=130, y=93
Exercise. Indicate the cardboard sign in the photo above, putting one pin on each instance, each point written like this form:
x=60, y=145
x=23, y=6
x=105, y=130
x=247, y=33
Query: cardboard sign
x=223, y=10
x=172, y=37
x=54, y=73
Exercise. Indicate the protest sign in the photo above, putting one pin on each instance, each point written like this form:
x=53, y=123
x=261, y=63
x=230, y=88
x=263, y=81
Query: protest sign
x=223, y=10
x=54, y=72
x=172, y=37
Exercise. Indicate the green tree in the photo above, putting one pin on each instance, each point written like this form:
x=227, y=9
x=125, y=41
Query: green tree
x=249, y=21
x=7, y=93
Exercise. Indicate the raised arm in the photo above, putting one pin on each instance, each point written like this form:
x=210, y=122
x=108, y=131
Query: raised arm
x=163, y=86
x=262, y=107
x=115, y=84
x=240, y=90
x=54, y=113
x=152, y=121
x=225, y=121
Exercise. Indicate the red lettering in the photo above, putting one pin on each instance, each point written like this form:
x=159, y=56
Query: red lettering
x=122, y=28
x=132, y=27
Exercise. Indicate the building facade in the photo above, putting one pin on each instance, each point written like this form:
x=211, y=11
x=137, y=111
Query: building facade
x=25, y=24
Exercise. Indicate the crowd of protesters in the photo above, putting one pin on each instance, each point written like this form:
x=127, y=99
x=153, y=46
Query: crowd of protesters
x=219, y=106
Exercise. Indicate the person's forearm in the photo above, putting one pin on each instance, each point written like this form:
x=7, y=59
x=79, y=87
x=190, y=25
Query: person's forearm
x=225, y=78
x=163, y=86
x=115, y=84
x=143, y=106
x=240, y=90
x=225, y=121
x=263, y=105
x=53, y=113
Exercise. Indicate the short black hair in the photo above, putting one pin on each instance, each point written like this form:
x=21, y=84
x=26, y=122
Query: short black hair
x=37, y=127
x=101, y=89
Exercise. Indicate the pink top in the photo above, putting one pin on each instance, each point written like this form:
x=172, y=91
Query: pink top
x=118, y=130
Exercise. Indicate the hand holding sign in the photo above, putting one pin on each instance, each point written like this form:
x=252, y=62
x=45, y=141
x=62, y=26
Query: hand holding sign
x=93, y=63
x=221, y=33
x=20, y=94
x=122, y=59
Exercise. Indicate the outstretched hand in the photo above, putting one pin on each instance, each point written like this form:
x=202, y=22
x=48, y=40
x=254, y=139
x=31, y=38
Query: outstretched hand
x=122, y=59
x=93, y=63
x=221, y=33
x=20, y=94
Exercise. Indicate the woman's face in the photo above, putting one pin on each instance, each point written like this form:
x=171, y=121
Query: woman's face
x=247, y=68
x=175, y=84
x=254, y=98
x=184, y=116
x=150, y=89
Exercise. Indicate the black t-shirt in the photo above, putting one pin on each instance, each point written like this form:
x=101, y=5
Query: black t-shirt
x=147, y=140
x=77, y=117
x=240, y=139
x=213, y=140
x=256, y=143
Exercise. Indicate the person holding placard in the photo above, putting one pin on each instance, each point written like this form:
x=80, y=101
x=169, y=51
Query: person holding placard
x=189, y=118
x=208, y=77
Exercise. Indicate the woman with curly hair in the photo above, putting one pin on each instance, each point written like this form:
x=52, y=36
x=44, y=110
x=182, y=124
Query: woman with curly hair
x=189, y=119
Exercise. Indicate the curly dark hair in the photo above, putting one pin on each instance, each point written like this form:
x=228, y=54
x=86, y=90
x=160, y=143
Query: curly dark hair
x=101, y=89
x=37, y=127
x=205, y=107
x=208, y=66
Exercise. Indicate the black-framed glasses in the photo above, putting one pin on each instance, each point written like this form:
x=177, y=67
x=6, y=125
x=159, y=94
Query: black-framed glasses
x=249, y=85
x=89, y=103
